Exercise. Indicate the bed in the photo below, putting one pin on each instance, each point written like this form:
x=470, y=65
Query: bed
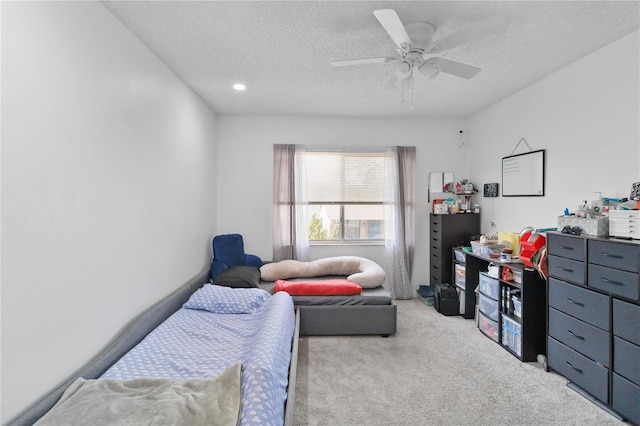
x=237, y=345
x=371, y=312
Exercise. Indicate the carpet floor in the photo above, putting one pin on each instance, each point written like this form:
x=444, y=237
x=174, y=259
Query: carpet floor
x=435, y=370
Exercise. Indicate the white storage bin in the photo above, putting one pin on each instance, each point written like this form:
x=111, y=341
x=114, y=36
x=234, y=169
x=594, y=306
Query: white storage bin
x=512, y=335
x=488, y=327
x=517, y=306
x=460, y=275
x=489, y=286
x=487, y=250
x=489, y=307
x=460, y=255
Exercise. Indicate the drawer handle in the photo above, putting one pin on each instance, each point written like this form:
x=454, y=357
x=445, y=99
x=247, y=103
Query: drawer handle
x=575, y=368
x=435, y=239
x=574, y=302
x=575, y=335
x=565, y=269
x=613, y=256
x=565, y=247
x=434, y=267
x=611, y=281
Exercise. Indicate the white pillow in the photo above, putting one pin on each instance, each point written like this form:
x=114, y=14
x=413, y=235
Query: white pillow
x=226, y=300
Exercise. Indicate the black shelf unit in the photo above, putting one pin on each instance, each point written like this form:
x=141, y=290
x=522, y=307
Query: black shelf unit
x=533, y=296
x=467, y=297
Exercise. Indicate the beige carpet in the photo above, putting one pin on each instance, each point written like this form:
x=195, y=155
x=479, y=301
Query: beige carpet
x=435, y=370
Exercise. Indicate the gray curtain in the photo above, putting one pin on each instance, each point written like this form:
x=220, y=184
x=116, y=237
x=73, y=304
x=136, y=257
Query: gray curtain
x=399, y=218
x=290, y=236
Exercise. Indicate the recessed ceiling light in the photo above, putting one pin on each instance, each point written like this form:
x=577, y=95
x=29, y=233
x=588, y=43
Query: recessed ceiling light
x=239, y=87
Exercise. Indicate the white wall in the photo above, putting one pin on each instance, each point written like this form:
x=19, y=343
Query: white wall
x=245, y=175
x=108, y=188
x=586, y=116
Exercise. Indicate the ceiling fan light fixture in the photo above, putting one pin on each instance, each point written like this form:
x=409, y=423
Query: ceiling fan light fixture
x=402, y=69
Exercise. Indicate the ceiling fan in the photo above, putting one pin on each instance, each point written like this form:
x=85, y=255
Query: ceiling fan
x=416, y=45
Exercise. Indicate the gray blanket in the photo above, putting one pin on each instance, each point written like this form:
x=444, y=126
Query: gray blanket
x=149, y=401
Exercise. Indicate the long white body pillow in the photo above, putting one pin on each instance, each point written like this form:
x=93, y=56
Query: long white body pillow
x=362, y=271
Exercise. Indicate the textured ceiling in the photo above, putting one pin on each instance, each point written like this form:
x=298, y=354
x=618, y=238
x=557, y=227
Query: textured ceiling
x=281, y=50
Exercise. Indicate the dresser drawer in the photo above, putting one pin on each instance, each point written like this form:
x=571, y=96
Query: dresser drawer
x=566, y=269
x=435, y=280
x=614, y=281
x=436, y=220
x=626, y=359
x=489, y=307
x=579, y=369
x=626, y=321
x=624, y=214
x=624, y=229
x=580, y=303
x=614, y=255
x=563, y=246
x=436, y=271
x=489, y=286
x=580, y=336
x=625, y=398
x=436, y=249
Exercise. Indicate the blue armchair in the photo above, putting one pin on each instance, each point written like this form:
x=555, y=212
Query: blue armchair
x=228, y=250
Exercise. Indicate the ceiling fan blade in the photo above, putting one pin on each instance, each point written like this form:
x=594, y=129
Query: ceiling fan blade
x=390, y=21
x=491, y=25
x=450, y=67
x=428, y=70
x=363, y=61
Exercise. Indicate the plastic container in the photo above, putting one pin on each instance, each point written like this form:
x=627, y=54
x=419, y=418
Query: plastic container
x=487, y=250
x=517, y=306
x=460, y=255
x=475, y=247
x=488, y=327
x=460, y=275
x=489, y=307
x=512, y=335
x=461, y=301
x=517, y=276
x=489, y=286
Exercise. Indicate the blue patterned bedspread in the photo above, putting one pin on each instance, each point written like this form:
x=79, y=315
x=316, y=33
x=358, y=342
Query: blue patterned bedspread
x=199, y=343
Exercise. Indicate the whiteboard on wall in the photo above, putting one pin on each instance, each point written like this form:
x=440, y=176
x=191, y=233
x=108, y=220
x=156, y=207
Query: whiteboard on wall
x=523, y=174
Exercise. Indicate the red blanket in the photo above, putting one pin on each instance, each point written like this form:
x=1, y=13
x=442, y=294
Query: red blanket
x=318, y=288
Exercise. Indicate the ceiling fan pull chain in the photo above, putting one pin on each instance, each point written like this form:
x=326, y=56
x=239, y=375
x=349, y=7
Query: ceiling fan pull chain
x=411, y=83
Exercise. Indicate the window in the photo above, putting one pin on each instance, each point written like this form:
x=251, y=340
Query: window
x=344, y=191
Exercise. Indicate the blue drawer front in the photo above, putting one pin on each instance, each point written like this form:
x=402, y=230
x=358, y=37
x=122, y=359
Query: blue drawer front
x=614, y=281
x=580, y=336
x=580, y=303
x=579, y=369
